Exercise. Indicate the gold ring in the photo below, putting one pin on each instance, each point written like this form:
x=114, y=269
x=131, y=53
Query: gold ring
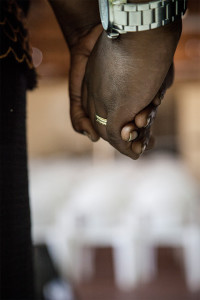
x=101, y=120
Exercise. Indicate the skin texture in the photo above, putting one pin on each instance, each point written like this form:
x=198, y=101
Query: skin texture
x=123, y=78
x=120, y=80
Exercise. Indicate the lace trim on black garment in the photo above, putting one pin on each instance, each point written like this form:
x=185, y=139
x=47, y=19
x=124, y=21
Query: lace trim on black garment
x=14, y=34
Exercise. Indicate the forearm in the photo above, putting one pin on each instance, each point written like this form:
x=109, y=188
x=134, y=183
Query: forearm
x=75, y=17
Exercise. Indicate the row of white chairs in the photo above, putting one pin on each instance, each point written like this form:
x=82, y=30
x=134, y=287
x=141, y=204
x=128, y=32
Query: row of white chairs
x=133, y=208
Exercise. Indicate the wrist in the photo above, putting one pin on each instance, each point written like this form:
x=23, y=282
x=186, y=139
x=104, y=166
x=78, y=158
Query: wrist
x=76, y=18
x=122, y=16
x=171, y=29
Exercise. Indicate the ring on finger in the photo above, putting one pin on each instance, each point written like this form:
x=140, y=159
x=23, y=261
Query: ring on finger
x=101, y=120
x=133, y=135
x=144, y=148
x=148, y=122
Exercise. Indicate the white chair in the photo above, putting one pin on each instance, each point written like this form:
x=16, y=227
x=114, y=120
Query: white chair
x=94, y=217
x=133, y=209
x=167, y=208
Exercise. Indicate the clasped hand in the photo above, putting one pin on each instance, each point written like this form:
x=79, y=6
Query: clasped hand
x=121, y=80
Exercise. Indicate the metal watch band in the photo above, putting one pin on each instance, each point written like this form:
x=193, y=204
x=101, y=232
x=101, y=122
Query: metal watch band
x=131, y=17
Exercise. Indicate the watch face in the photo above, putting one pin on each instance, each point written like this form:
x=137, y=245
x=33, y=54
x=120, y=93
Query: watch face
x=104, y=13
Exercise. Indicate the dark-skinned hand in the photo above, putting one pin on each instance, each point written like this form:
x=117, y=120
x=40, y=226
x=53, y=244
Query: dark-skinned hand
x=121, y=80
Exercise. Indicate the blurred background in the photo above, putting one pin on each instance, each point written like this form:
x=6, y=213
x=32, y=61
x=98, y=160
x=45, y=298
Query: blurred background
x=106, y=227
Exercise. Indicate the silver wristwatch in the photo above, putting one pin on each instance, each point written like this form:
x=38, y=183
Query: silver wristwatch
x=119, y=16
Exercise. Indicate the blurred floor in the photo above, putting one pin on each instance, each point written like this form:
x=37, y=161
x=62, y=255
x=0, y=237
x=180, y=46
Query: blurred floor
x=47, y=281
x=169, y=284
x=44, y=270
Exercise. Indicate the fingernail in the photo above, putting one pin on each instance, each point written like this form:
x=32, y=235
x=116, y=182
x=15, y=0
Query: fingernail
x=87, y=134
x=133, y=136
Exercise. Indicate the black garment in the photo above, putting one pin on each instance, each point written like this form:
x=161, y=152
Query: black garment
x=14, y=40
x=16, y=75
x=15, y=241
